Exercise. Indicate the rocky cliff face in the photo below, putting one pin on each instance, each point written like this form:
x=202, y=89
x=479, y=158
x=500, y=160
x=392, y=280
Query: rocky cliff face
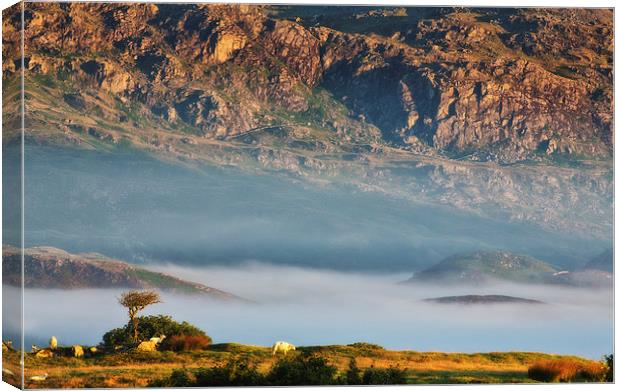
x=420, y=103
x=502, y=85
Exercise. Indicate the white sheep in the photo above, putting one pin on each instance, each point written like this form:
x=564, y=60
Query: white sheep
x=77, y=351
x=283, y=347
x=39, y=377
x=158, y=340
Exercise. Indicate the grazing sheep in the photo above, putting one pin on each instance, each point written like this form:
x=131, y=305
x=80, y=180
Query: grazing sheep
x=77, y=351
x=147, y=346
x=39, y=377
x=158, y=340
x=53, y=343
x=35, y=348
x=7, y=345
x=44, y=353
x=282, y=346
x=150, y=345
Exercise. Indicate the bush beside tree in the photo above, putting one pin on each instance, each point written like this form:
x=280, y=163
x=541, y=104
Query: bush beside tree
x=148, y=327
x=186, y=343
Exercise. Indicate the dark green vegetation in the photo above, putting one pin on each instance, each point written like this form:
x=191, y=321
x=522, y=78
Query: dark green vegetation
x=609, y=362
x=306, y=370
x=153, y=325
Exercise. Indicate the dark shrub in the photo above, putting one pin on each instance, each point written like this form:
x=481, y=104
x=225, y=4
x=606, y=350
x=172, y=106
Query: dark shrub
x=384, y=376
x=148, y=327
x=353, y=375
x=609, y=363
x=366, y=346
x=301, y=371
x=185, y=343
x=566, y=370
x=234, y=373
x=178, y=378
x=591, y=372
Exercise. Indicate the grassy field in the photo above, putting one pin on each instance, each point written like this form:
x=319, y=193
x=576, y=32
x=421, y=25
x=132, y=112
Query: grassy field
x=133, y=369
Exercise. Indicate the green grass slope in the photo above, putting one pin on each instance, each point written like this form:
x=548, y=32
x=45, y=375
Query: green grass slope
x=482, y=266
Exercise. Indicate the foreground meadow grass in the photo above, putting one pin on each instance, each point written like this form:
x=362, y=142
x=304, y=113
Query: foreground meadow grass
x=133, y=369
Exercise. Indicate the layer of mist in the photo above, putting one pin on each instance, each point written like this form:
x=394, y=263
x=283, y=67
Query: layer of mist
x=142, y=210
x=319, y=307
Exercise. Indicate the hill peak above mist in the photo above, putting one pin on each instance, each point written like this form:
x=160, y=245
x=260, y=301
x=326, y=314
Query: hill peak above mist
x=53, y=268
x=488, y=266
x=485, y=265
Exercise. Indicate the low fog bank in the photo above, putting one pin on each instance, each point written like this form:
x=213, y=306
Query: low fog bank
x=317, y=307
x=142, y=210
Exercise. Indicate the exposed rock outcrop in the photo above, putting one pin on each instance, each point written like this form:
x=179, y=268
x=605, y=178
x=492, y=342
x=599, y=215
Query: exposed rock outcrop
x=491, y=84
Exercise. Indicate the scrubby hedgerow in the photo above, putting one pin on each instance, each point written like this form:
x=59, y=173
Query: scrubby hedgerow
x=234, y=373
x=383, y=376
x=302, y=370
x=289, y=371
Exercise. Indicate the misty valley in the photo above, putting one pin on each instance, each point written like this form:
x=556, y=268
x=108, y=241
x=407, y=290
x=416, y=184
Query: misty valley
x=316, y=265
x=319, y=307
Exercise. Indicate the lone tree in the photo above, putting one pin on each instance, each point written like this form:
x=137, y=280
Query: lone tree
x=136, y=301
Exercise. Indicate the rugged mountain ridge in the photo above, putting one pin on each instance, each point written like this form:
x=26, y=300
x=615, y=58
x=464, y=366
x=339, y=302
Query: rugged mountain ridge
x=52, y=268
x=448, y=80
x=405, y=101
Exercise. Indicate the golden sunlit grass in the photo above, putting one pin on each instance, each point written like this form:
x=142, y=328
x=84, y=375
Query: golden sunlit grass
x=566, y=370
x=121, y=370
